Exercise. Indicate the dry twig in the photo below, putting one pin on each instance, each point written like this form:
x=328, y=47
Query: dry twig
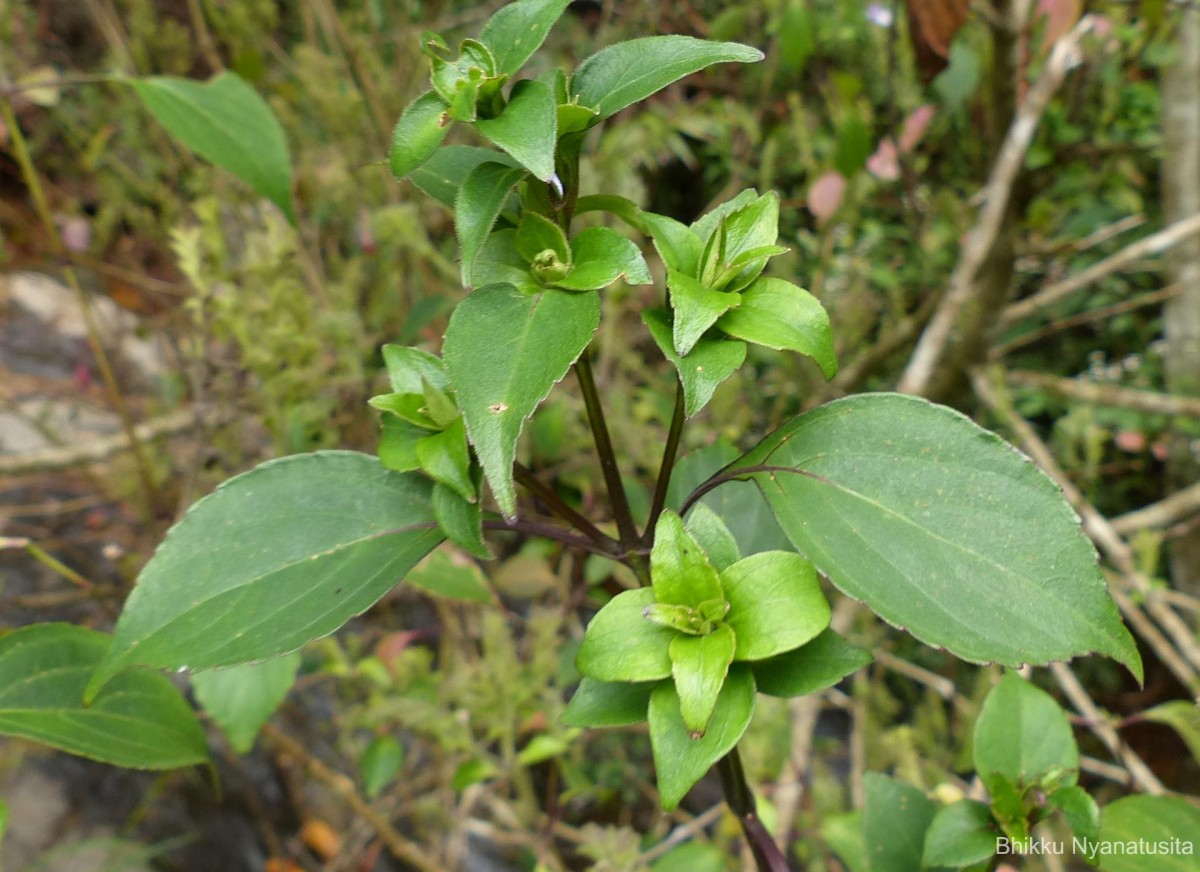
x=1151, y=299
x=1139, y=772
x=1106, y=394
x=1179, y=506
x=1155, y=243
x=930, y=352
x=401, y=848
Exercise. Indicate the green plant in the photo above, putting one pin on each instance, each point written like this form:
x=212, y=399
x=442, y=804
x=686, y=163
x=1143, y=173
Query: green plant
x=936, y=524
x=1025, y=755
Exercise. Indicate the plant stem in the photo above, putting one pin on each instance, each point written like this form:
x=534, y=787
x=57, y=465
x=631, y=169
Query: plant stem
x=549, y=531
x=721, y=477
x=622, y=514
x=546, y=494
x=668, y=463
x=740, y=799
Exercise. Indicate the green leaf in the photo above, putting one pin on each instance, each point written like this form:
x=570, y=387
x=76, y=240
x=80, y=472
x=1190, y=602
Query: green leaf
x=537, y=233
x=1021, y=733
x=627, y=72
x=619, y=207
x=1157, y=821
x=1183, y=716
x=894, y=823
x=275, y=557
x=704, y=368
x=699, y=665
x=444, y=457
x=443, y=174
x=607, y=704
x=714, y=537
x=677, y=245
x=680, y=570
x=499, y=262
x=527, y=128
x=440, y=407
x=695, y=308
x=854, y=145
x=621, y=645
x=227, y=123
x=573, y=118
x=942, y=528
x=814, y=666
x=467, y=82
x=504, y=351
x=601, y=256
x=959, y=835
x=1008, y=805
x=447, y=574
x=740, y=271
x=409, y=408
x=461, y=520
x=543, y=747
x=422, y=126
x=515, y=31
x=684, y=619
x=380, y=764
x=242, y=698
x=706, y=224
x=1080, y=810
x=409, y=369
x=775, y=603
x=843, y=833
x=141, y=721
x=473, y=771
x=782, y=316
x=398, y=443
x=691, y=857
x=681, y=760
x=477, y=206
x=751, y=230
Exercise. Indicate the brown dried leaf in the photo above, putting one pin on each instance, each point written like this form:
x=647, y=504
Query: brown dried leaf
x=931, y=26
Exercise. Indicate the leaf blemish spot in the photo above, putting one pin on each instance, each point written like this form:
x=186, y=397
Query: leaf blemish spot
x=497, y=408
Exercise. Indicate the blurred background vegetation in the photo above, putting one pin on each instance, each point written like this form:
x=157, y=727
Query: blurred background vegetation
x=880, y=124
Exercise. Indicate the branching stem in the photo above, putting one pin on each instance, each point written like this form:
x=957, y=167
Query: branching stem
x=559, y=506
x=740, y=799
x=668, y=462
x=622, y=514
x=722, y=477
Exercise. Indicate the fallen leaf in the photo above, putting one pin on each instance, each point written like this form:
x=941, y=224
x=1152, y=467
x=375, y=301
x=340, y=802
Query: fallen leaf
x=931, y=26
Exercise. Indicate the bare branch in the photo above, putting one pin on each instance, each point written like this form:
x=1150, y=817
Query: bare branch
x=1106, y=395
x=1158, y=516
x=1151, y=299
x=964, y=290
x=1142, y=777
x=1155, y=243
